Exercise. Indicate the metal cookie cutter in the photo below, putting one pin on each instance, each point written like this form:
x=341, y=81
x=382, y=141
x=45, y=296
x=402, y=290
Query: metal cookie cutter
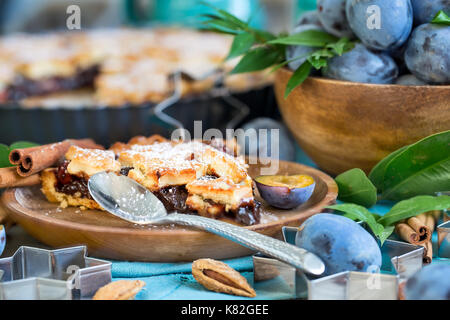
x=227, y=103
x=34, y=273
x=400, y=261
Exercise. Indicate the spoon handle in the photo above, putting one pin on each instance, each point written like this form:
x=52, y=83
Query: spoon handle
x=293, y=255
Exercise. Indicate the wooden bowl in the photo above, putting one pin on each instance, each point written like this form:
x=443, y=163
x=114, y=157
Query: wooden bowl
x=343, y=125
x=107, y=236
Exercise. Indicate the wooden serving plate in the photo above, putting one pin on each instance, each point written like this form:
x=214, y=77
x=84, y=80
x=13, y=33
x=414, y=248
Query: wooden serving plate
x=107, y=236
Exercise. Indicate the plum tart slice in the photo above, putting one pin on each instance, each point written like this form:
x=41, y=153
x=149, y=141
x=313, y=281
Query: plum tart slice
x=188, y=177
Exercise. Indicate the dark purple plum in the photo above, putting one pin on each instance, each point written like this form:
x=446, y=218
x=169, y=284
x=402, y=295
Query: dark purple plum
x=341, y=243
x=425, y=10
x=427, y=53
x=300, y=52
x=409, y=80
x=285, y=192
x=333, y=18
x=362, y=65
x=430, y=283
x=395, y=22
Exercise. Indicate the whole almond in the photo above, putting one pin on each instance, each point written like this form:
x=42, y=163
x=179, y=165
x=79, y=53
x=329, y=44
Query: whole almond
x=119, y=290
x=217, y=276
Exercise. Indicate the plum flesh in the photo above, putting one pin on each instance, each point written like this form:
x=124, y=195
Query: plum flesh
x=285, y=192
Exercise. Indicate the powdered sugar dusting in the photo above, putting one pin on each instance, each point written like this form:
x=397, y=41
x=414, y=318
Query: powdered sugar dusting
x=180, y=156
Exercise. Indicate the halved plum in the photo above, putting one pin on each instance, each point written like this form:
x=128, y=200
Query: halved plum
x=285, y=192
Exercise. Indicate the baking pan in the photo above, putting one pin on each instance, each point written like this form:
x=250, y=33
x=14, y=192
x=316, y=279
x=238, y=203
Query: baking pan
x=107, y=125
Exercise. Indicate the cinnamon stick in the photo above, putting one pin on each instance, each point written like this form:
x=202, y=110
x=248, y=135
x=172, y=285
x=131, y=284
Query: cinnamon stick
x=10, y=178
x=436, y=214
x=429, y=220
x=428, y=252
x=33, y=160
x=407, y=233
x=420, y=228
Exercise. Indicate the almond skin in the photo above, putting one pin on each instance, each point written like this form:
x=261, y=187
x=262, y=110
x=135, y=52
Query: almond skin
x=217, y=276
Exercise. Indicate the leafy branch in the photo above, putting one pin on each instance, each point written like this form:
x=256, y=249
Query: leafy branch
x=261, y=49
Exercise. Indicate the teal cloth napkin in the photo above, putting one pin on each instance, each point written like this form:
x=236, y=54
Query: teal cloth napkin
x=174, y=281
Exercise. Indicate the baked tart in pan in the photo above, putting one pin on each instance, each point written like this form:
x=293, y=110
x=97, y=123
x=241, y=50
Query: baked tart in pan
x=105, y=83
x=120, y=66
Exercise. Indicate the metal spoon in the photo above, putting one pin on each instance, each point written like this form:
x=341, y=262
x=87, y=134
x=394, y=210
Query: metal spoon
x=127, y=199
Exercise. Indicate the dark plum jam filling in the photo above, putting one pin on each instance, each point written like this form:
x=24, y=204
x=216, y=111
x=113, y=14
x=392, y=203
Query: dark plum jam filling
x=70, y=184
x=174, y=198
x=24, y=87
x=125, y=171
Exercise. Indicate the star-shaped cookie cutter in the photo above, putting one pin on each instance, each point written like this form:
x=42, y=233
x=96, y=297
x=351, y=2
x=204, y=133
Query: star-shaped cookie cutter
x=67, y=273
x=400, y=261
x=224, y=101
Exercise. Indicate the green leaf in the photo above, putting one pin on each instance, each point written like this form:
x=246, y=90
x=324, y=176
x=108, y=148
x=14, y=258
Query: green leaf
x=310, y=38
x=341, y=46
x=356, y=212
x=319, y=58
x=221, y=26
x=441, y=18
x=355, y=187
x=231, y=18
x=22, y=145
x=386, y=234
x=264, y=35
x=318, y=62
x=241, y=44
x=4, y=156
x=224, y=15
x=257, y=59
x=419, y=169
x=300, y=75
x=412, y=207
x=379, y=171
x=322, y=53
